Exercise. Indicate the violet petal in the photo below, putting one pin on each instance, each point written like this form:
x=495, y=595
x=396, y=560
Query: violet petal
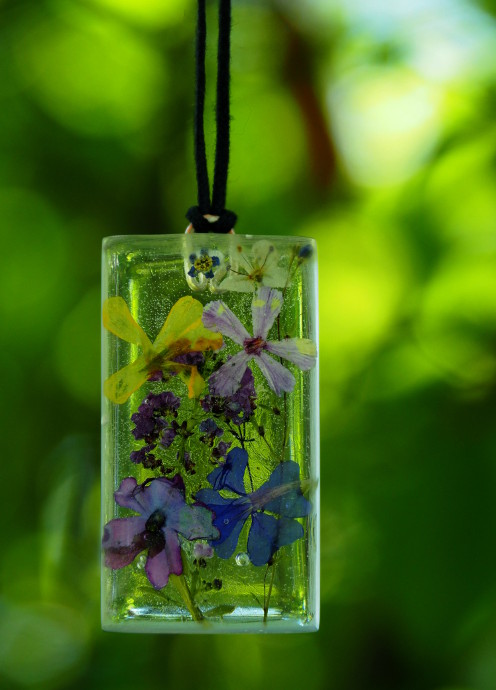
x=265, y=308
x=159, y=566
x=278, y=377
x=122, y=541
x=267, y=535
x=161, y=494
x=226, y=380
x=219, y=318
x=230, y=516
x=300, y=351
x=127, y=495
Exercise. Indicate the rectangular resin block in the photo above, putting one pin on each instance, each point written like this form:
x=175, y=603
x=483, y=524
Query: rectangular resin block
x=210, y=439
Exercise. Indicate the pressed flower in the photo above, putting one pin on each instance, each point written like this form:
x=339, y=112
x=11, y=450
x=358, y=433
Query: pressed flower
x=305, y=252
x=151, y=424
x=201, y=550
x=248, y=272
x=204, y=269
x=281, y=495
x=236, y=408
x=210, y=431
x=173, y=429
x=266, y=305
x=182, y=333
x=230, y=474
x=187, y=462
x=169, y=433
x=162, y=516
x=149, y=418
x=145, y=457
x=221, y=449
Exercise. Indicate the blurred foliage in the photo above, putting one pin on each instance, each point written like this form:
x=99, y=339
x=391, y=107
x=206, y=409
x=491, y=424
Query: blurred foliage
x=368, y=125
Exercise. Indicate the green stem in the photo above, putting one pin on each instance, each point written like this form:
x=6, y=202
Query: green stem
x=267, y=601
x=183, y=589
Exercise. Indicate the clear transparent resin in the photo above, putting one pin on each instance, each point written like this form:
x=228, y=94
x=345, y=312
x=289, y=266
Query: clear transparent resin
x=210, y=439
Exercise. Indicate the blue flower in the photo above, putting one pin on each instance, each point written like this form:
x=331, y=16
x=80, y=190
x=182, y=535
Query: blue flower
x=281, y=495
x=203, y=264
x=229, y=474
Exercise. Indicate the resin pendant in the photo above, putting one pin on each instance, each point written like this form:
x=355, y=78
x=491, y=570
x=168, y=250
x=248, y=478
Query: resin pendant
x=210, y=438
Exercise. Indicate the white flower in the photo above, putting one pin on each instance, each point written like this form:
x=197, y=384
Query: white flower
x=247, y=273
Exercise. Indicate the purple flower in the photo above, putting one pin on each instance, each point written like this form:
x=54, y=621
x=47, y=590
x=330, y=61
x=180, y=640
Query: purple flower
x=221, y=449
x=162, y=516
x=168, y=436
x=192, y=359
x=173, y=429
x=210, y=431
x=281, y=494
x=145, y=457
x=236, y=408
x=154, y=408
x=202, y=550
x=188, y=463
x=156, y=375
x=266, y=306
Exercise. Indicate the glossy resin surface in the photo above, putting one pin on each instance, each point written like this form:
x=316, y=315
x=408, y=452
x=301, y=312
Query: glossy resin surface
x=210, y=434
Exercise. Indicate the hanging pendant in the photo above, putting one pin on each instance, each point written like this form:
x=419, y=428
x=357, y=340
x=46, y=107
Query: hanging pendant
x=210, y=434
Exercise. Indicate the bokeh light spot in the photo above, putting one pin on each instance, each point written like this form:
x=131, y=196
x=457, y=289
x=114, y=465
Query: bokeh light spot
x=152, y=13
x=363, y=272
x=92, y=75
x=386, y=122
x=40, y=643
x=262, y=130
x=457, y=324
x=77, y=350
x=35, y=254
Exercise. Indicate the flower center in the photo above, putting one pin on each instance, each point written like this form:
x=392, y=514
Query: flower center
x=156, y=521
x=257, y=275
x=203, y=264
x=254, y=346
x=154, y=538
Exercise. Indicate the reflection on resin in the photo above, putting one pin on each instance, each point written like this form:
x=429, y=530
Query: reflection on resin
x=210, y=456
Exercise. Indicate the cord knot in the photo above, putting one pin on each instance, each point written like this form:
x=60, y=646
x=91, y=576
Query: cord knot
x=222, y=223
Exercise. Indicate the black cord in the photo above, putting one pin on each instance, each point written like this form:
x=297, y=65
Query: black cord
x=226, y=219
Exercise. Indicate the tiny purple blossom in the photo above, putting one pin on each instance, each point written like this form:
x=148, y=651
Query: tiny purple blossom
x=201, y=550
x=145, y=457
x=266, y=306
x=221, y=450
x=168, y=436
x=210, y=431
x=153, y=409
x=236, y=408
x=162, y=515
x=193, y=359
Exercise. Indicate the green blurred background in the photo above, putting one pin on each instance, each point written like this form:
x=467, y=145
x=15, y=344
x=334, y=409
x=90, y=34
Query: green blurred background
x=367, y=124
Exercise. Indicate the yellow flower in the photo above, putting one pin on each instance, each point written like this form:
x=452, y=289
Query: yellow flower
x=182, y=332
